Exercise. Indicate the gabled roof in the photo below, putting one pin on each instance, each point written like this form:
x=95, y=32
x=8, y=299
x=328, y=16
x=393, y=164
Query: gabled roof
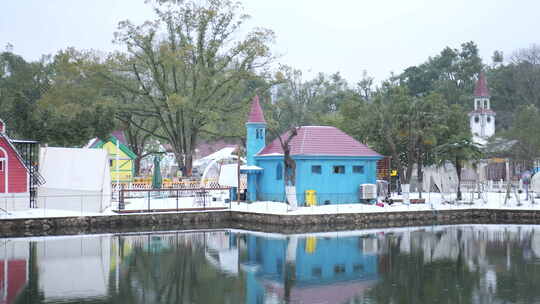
x=19, y=157
x=256, y=114
x=320, y=141
x=119, y=134
x=481, y=89
x=96, y=143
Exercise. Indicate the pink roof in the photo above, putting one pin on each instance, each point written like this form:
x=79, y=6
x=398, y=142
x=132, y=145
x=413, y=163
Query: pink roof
x=119, y=134
x=320, y=140
x=481, y=89
x=256, y=114
x=205, y=148
x=335, y=293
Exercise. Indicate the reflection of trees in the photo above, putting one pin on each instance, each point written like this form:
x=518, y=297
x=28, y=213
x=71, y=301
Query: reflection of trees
x=31, y=292
x=520, y=280
x=177, y=273
x=408, y=279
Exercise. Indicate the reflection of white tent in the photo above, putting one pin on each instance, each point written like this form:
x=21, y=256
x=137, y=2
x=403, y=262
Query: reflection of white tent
x=76, y=179
x=89, y=257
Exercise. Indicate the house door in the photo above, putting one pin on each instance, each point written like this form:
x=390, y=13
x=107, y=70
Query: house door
x=3, y=171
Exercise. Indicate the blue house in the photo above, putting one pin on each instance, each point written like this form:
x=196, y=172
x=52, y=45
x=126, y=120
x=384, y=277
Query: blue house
x=328, y=161
x=309, y=269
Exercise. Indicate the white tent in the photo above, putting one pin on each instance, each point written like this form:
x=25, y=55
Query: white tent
x=75, y=179
x=535, y=183
x=444, y=177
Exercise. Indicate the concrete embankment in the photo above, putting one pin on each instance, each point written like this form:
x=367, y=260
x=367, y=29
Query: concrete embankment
x=260, y=221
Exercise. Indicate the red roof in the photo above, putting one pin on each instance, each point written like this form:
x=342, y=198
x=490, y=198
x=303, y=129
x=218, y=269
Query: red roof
x=256, y=114
x=320, y=140
x=481, y=89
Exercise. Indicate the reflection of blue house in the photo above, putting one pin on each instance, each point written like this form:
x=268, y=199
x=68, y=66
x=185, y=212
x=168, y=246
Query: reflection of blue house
x=327, y=160
x=308, y=269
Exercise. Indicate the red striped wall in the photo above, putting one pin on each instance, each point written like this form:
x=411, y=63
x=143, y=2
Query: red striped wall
x=18, y=176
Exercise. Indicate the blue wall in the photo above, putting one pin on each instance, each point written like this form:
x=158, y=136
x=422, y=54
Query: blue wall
x=268, y=187
x=311, y=267
x=329, y=186
x=254, y=143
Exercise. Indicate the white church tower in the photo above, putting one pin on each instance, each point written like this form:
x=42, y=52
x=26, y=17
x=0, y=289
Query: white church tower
x=482, y=119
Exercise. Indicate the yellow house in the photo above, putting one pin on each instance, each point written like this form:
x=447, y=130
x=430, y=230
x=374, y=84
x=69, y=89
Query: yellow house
x=120, y=156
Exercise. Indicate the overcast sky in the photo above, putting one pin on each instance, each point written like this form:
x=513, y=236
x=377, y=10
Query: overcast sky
x=349, y=36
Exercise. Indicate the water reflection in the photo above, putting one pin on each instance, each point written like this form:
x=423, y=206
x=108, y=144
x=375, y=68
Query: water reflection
x=457, y=264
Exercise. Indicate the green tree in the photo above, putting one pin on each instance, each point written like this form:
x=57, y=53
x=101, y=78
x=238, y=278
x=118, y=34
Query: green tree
x=187, y=66
x=78, y=105
x=525, y=126
x=22, y=84
x=452, y=73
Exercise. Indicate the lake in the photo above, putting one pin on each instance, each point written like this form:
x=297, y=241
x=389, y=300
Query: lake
x=436, y=264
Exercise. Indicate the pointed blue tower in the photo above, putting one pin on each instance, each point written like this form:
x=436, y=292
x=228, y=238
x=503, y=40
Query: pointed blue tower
x=255, y=142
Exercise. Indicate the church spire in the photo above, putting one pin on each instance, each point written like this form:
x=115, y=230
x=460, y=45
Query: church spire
x=481, y=89
x=256, y=114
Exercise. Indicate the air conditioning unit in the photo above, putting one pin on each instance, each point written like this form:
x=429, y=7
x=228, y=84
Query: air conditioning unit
x=368, y=191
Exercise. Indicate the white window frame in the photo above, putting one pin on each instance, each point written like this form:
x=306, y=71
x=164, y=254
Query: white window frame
x=6, y=169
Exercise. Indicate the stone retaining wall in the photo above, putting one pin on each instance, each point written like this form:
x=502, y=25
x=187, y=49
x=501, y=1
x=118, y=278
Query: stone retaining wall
x=260, y=222
x=113, y=223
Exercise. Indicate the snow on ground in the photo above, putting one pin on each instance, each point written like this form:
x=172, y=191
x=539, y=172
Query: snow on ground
x=216, y=199
x=211, y=199
x=41, y=212
x=434, y=201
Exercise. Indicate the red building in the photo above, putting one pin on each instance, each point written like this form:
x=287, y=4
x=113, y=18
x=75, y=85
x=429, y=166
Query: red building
x=14, y=174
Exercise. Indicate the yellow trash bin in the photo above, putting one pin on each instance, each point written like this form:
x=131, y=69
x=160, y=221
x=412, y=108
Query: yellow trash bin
x=311, y=198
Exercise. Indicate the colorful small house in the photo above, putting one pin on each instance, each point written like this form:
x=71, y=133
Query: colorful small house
x=14, y=174
x=121, y=158
x=330, y=165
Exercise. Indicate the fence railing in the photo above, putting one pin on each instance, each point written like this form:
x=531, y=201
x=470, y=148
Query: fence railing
x=173, y=199
x=54, y=205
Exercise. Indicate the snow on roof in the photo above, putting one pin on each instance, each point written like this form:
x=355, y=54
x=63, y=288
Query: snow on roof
x=250, y=168
x=321, y=141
